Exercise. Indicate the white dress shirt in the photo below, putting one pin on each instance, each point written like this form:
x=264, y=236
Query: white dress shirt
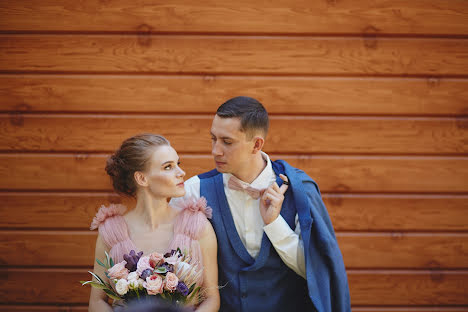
x=249, y=223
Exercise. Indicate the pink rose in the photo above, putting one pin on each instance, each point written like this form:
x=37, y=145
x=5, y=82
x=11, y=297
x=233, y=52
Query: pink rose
x=171, y=281
x=155, y=259
x=154, y=284
x=118, y=271
x=143, y=264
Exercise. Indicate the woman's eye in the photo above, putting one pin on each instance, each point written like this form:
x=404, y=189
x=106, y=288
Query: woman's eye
x=168, y=167
x=227, y=143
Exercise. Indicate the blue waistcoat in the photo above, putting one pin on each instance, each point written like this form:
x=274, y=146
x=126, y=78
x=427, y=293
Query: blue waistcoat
x=266, y=283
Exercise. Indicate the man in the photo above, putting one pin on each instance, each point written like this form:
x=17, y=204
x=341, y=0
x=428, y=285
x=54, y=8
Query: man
x=277, y=249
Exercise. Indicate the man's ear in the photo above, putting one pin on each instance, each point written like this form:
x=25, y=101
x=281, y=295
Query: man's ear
x=140, y=178
x=258, y=144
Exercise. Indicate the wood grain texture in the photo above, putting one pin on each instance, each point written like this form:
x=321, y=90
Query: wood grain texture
x=279, y=16
x=337, y=174
x=402, y=288
x=397, y=212
x=422, y=288
x=61, y=308
x=189, y=133
x=203, y=94
x=410, y=309
x=348, y=212
x=42, y=210
x=404, y=250
x=48, y=308
x=360, y=250
x=233, y=54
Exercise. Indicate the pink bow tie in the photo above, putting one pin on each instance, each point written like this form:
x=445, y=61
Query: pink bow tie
x=238, y=185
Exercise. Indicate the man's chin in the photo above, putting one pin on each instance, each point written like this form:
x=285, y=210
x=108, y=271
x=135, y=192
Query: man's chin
x=222, y=169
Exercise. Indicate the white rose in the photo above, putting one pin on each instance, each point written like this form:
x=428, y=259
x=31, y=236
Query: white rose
x=135, y=284
x=133, y=276
x=121, y=287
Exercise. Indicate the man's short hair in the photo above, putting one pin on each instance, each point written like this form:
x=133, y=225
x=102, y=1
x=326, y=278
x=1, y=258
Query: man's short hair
x=253, y=116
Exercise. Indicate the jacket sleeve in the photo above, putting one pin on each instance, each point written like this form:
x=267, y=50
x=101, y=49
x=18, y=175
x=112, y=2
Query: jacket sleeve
x=326, y=274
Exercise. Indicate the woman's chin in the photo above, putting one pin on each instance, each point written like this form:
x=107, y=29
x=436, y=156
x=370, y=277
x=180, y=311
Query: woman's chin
x=179, y=193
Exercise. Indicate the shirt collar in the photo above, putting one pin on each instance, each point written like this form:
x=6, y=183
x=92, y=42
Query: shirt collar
x=265, y=177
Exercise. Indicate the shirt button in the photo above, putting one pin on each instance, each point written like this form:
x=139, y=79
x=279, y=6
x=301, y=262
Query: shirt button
x=244, y=295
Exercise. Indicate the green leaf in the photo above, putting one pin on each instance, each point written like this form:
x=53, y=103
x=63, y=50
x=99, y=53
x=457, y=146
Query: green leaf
x=107, y=258
x=111, y=262
x=195, y=291
x=161, y=270
x=97, y=277
x=112, y=294
x=101, y=264
x=95, y=285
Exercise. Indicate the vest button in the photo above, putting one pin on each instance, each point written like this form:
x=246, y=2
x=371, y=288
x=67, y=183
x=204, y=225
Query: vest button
x=244, y=295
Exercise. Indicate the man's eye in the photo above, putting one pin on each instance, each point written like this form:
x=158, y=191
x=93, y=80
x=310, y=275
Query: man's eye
x=227, y=142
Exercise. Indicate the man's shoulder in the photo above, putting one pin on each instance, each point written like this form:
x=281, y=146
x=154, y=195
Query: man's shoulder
x=296, y=174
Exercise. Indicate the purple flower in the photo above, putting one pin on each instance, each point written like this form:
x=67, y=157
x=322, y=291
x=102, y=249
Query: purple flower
x=146, y=273
x=169, y=267
x=132, y=260
x=182, y=288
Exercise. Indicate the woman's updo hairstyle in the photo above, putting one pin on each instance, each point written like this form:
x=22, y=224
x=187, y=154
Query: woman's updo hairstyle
x=133, y=155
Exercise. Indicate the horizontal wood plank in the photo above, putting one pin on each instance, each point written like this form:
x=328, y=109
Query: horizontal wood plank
x=360, y=250
x=226, y=54
x=397, y=212
x=408, y=288
x=322, y=134
x=203, y=94
x=343, y=174
x=48, y=308
x=279, y=16
x=62, y=308
x=409, y=309
x=404, y=250
x=348, y=212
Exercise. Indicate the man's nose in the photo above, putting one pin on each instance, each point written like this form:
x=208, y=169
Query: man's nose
x=216, y=150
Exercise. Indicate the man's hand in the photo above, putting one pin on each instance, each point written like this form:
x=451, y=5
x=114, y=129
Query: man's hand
x=272, y=200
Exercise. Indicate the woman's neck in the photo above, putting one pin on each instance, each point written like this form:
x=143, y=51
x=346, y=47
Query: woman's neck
x=151, y=211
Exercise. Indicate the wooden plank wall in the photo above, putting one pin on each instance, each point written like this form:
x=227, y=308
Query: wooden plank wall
x=369, y=97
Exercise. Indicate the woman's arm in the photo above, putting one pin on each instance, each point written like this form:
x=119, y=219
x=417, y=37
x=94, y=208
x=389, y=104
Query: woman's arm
x=209, y=249
x=98, y=298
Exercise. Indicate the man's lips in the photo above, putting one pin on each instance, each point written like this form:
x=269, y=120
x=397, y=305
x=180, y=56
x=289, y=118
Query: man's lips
x=180, y=184
x=219, y=163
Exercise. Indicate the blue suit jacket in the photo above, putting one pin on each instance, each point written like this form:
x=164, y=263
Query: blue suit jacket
x=326, y=275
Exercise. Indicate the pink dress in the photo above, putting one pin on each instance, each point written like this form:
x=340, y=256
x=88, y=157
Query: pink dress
x=188, y=227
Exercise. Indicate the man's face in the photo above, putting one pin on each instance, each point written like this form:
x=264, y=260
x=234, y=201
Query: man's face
x=231, y=150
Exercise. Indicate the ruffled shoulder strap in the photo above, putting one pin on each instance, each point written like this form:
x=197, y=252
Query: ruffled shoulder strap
x=192, y=217
x=113, y=230
x=189, y=225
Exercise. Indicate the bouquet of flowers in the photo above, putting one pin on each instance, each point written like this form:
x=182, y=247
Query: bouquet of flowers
x=170, y=276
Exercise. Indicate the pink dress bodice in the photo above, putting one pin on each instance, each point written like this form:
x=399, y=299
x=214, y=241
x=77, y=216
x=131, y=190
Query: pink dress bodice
x=188, y=227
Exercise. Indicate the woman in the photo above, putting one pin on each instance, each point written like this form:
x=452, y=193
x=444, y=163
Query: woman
x=147, y=167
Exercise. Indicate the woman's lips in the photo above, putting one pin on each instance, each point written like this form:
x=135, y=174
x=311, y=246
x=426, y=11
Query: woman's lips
x=180, y=184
